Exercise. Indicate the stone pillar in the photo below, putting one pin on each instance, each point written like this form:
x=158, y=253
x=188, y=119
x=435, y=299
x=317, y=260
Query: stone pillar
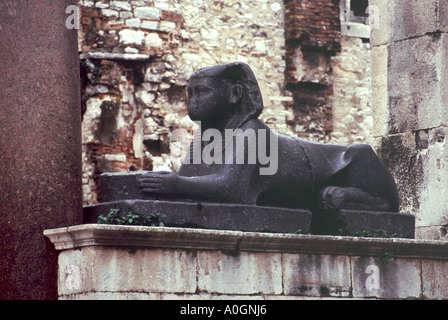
x=40, y=142
x=410, y=103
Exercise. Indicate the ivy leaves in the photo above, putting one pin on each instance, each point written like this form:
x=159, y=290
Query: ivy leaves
x=132, y=219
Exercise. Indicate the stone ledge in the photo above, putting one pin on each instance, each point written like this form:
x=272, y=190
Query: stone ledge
x=203, y=239
x=352, y=29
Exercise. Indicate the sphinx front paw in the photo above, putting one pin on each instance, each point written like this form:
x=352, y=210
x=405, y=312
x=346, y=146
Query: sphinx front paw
x=159, y=182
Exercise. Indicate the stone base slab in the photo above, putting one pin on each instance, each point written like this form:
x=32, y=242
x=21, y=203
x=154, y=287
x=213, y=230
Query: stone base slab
x=350, y=222
x=132, y=262
x=120, y=190
x=216, y=216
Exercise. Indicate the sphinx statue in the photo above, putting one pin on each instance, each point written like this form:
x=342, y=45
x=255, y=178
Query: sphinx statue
x=226, y=98
x=239, y=174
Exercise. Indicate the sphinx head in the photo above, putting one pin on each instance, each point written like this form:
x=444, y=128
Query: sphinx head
x=224, y=90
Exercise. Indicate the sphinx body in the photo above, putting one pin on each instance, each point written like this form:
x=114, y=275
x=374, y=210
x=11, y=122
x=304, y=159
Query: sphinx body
x=307, y=175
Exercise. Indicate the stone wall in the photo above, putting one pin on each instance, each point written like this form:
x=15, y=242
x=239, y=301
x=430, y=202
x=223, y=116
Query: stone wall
x=136, y=58
x=352, y=94
x=410, y=104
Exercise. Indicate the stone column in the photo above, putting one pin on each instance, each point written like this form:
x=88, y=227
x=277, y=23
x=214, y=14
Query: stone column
x=410, y=103
x=40, y=142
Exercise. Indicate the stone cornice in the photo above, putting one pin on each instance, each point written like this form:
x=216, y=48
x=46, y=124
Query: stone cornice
x=203, y=239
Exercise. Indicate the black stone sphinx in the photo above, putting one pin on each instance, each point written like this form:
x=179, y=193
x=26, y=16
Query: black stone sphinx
x=240, y=175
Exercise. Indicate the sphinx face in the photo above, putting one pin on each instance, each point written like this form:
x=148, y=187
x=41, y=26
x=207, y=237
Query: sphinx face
x=208, y=98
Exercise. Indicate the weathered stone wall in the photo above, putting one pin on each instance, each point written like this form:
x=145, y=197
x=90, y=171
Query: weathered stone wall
x=136, y=58
x=131, y=262
x=352, y=93
x=409, y=77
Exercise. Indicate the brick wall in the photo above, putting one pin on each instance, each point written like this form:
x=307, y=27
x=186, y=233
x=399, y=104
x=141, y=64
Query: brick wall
x=312, y=25
x=315, y=23
x=313, y=37
x=328, y=74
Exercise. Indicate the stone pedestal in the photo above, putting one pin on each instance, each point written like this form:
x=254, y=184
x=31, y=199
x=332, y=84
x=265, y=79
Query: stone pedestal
x=131, y=262
x=40, y=142
x=352, y=223
x=410, y=88
x=217, y=216
x=121, y=191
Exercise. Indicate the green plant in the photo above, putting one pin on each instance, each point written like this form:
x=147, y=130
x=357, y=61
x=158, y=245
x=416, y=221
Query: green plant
x=380, y=233
x=91, y=71
x=233, y=224
x=113, y=217
x=95, y=79
x=386, y=257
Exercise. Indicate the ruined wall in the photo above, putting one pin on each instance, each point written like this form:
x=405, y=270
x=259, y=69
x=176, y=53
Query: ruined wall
x=328, y=74
x=137, y=55
x=312, y=33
